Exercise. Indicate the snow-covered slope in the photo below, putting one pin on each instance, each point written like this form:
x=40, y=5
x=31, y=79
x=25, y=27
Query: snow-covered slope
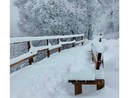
x=49, y=77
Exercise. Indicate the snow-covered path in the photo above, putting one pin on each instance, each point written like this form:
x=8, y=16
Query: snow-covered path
x=49, y=77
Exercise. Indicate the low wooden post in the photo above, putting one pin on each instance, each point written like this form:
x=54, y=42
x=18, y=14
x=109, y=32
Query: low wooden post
x=78, y=88
x=48, y=51
x=30, y=59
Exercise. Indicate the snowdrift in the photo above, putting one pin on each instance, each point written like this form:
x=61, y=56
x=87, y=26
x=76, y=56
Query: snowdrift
x=49, y=77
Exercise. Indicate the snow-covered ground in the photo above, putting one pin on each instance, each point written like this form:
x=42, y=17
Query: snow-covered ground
x=49, y=77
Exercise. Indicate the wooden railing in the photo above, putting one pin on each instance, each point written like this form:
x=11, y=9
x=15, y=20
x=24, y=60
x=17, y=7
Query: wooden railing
x=33, y=51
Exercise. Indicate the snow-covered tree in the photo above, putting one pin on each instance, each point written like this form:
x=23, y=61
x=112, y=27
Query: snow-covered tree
x=52, y=17
x=105, y=17
x=49, y=17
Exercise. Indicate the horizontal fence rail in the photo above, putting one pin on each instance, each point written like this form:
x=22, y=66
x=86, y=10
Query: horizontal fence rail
x=25, y=39
x=33, y=51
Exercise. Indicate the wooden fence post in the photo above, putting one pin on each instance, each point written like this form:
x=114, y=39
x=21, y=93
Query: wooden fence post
x=73, y=44
x=48, y=51
x=59, y=49
x=100, y=39
x=82, y=38
x=30, y=59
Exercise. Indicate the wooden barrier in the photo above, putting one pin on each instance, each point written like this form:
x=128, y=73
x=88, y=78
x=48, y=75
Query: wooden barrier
x=31, y=53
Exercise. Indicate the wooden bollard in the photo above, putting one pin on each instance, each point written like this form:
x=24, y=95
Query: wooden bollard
x=30, y=59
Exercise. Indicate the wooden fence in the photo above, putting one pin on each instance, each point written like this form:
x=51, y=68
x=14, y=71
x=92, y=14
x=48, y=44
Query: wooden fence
x=33, y=51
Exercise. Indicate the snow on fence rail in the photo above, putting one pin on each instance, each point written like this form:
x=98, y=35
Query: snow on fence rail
x=25, y=39
x=33, y=51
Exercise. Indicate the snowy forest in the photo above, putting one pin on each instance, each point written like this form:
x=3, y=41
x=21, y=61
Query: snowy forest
x=64, y=48
x=59, y=17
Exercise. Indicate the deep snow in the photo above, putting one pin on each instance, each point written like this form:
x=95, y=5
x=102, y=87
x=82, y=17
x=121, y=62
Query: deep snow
x=49, y=77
